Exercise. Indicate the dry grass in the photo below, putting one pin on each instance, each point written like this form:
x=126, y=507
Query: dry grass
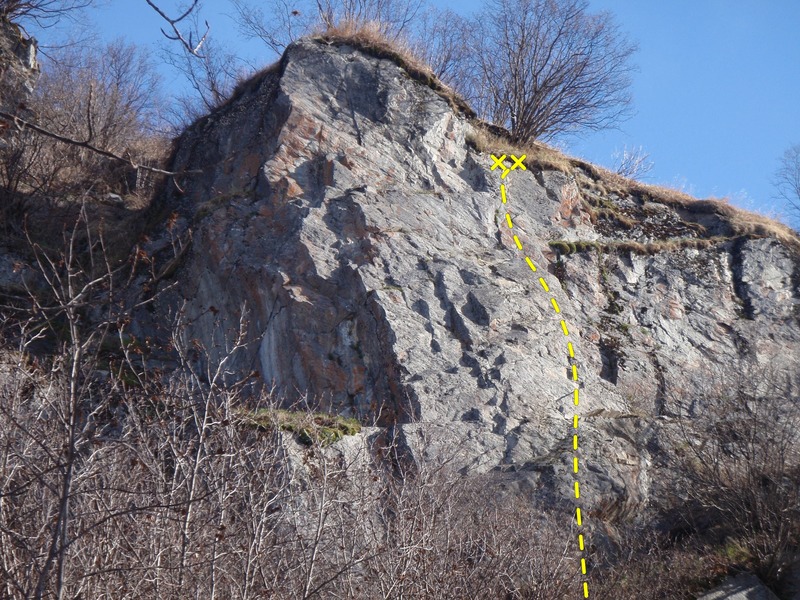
x=741, y=221
x=369, y=38
x=491, y=139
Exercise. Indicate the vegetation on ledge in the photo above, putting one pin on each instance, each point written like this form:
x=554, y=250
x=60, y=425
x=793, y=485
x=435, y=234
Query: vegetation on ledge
x=310, y=427
x=565, y=247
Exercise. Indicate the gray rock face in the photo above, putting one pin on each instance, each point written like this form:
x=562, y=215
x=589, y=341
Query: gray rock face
x=18, y=68
x=741, y=587
x=340, y=206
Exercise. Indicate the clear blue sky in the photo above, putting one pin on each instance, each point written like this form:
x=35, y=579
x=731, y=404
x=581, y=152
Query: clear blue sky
x=716, y=94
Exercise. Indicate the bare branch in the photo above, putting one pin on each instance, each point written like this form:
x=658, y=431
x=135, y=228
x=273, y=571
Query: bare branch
x=189, y=45
x=45, y=13
x=633, y=163
x=22, y=124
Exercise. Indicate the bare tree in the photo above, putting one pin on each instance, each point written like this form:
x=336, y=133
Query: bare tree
x=787, y=179
x=210, y=71
x=107, y=96
x=280, y=24
x=545, y=68
x=212, y=78
x=94, y=123
x=438, y=38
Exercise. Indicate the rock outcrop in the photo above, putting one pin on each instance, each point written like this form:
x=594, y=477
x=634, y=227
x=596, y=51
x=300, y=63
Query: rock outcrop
x=742, y=587
x=340, y=205
x=18, y=69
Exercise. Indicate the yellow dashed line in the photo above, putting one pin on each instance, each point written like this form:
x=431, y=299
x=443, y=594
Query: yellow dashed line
x=570, y=349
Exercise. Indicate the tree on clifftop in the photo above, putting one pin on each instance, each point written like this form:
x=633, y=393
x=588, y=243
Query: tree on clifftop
x=787, y=180
x=544, y=68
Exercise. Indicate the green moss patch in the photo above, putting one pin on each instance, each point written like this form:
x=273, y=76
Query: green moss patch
x=309, y=427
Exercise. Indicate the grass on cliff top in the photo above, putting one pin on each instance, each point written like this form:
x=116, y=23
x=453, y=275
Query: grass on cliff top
x=309, y=427
x=489, y=139
x=369, y=38
x=742, y=222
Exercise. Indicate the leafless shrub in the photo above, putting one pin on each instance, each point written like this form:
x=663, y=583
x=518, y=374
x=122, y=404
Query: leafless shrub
x=92, y=129
x=446, y=539
x=739, y=467
x=438, y=38
x=632, y=163
x=639, y=558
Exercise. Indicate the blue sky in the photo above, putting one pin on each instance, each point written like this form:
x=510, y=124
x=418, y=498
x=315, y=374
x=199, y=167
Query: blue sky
x=715, y=95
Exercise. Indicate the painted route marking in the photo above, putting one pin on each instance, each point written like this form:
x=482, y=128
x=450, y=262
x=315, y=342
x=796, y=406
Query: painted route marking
x=500, y=162
x=571, y=361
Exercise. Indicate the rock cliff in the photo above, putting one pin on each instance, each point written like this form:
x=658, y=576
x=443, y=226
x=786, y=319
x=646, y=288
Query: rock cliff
x=18, y=68
x=351, y=211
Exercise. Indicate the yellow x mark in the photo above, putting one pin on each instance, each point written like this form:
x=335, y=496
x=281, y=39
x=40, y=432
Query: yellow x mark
x=500, y=162
x=518, y=162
